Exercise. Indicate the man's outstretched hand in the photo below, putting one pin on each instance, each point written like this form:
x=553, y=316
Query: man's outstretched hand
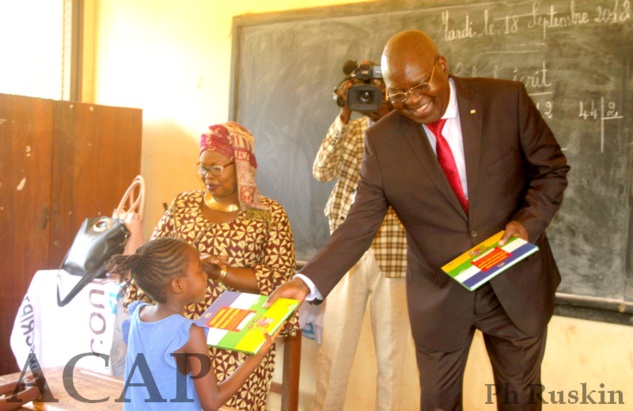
x=295, y=289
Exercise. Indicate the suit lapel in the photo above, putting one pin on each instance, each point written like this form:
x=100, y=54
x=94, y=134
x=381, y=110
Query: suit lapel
x=470, y=116
x=418, y=141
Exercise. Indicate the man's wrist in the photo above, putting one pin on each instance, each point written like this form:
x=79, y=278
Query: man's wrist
x=301, y=284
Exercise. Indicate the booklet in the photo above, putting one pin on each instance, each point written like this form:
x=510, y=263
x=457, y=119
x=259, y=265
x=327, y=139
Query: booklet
x=488, y=259
x=237, y=321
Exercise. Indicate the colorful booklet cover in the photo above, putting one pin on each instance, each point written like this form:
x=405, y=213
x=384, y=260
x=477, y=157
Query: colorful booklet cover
x=488, y=259
x=236, y=320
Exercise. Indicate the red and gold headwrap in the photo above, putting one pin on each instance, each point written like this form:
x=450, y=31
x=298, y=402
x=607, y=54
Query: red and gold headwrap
x=233, y=140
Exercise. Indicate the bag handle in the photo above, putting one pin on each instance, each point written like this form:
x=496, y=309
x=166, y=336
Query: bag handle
x=134, y=204
x=84, y=280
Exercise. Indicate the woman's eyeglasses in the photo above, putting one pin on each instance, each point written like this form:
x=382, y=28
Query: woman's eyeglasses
x=215, y=170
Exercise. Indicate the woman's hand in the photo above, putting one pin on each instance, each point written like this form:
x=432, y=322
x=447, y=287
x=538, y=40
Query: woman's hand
x=212, y=265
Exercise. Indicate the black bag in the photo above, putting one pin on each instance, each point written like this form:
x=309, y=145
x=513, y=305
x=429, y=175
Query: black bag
x=98, y=239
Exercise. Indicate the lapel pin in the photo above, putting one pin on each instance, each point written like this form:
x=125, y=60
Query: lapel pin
x=473, y=111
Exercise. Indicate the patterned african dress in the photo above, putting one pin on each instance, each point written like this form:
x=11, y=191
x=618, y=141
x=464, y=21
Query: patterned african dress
x=257, y=239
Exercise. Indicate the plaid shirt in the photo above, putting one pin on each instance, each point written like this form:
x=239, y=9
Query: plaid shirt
x=340, y=156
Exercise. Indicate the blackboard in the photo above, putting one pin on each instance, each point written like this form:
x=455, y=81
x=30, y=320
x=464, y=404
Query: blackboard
x=574, y=56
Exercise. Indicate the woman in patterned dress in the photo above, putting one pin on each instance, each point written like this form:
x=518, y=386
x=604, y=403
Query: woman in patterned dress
x=246, y=236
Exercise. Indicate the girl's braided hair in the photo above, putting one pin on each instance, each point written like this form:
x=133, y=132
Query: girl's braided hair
x=153, y=265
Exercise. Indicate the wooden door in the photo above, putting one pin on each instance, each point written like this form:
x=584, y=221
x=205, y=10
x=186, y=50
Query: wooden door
x=60, y=162
x=25, y=193
x=97, y=152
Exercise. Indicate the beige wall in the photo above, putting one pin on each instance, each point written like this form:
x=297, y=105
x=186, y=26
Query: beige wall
x=172, y=59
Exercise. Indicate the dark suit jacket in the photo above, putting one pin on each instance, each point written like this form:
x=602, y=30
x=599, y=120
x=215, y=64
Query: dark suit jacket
x=515, y=171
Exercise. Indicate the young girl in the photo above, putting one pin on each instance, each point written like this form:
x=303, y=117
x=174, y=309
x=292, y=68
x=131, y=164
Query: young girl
x=167, y=364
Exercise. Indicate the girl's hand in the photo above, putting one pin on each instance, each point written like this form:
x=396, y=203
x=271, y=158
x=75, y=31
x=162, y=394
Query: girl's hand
x=270, y=339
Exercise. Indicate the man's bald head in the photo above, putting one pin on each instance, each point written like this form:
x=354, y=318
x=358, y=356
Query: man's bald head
x=404, y=46
x=411, y=61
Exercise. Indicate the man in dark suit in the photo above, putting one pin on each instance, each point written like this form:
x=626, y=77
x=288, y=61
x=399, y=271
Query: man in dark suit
x=508, y=173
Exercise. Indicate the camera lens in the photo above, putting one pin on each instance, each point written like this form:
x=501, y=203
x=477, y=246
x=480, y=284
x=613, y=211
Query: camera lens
x=364, y=98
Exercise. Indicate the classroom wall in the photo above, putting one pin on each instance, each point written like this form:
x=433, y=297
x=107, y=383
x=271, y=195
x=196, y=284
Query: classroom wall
x=172, y=59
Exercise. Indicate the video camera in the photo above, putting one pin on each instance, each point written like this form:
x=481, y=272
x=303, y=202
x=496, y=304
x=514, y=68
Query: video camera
x=362, y=96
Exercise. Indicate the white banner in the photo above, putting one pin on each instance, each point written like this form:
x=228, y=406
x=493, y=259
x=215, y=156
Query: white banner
x=76, y=332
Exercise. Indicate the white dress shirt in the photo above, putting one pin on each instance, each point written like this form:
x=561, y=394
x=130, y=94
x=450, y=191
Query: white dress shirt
x=452, y=132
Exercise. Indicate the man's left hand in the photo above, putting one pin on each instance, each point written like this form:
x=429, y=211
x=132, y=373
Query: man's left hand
x=514, y=229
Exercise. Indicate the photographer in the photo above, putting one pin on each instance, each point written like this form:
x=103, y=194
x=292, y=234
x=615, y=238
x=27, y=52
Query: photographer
x=378, y=277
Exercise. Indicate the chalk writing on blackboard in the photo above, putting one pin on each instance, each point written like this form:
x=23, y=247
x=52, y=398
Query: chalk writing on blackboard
x=540, y=18
x=575, y=58
x=603, y=113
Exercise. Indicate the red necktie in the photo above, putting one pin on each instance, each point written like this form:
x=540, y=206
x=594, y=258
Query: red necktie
x=447, y=161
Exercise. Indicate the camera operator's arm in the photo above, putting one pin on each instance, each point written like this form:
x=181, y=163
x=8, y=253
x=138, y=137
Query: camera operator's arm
x=327, y=163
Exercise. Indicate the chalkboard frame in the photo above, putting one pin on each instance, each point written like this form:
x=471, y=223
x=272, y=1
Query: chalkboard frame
x=599, y=309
